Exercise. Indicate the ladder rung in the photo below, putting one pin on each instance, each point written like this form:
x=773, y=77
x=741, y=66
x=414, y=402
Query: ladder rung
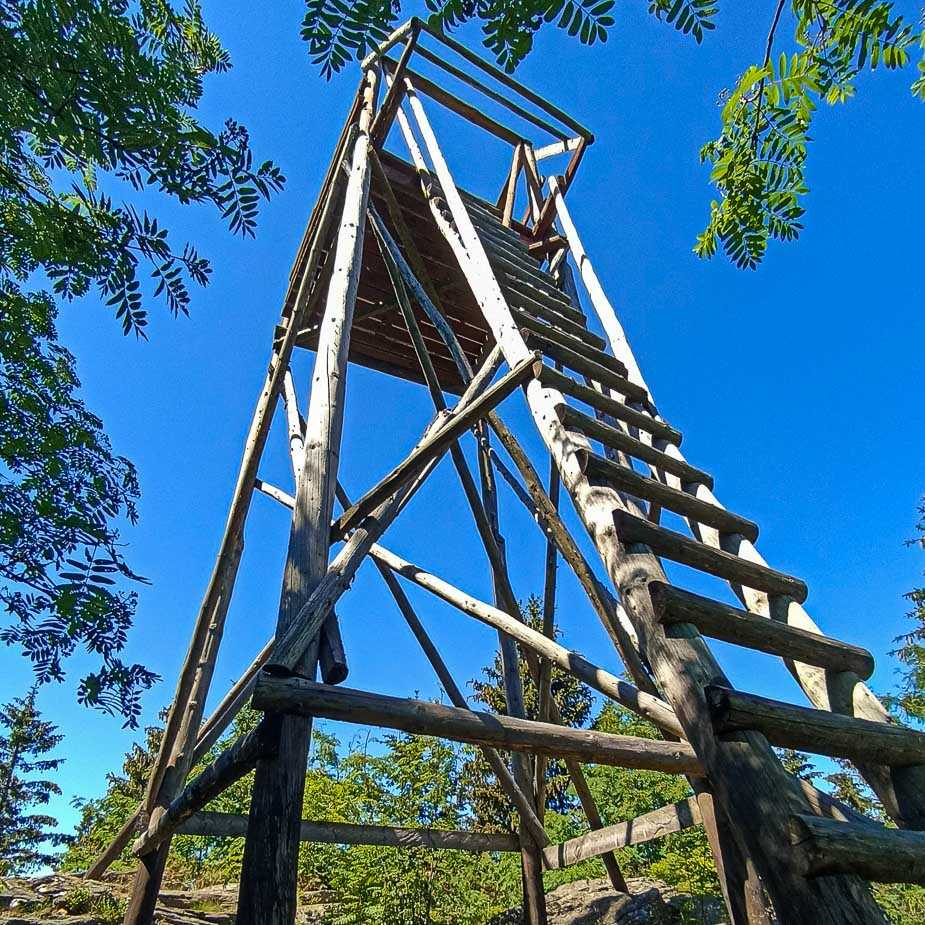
x=554, y=379
x=572, y=359
x=641, y=486
x=517, y=292
x=540, y=287
x=816, y=731
x=874, y=852
x=579, y=349
x=618, y=440
x=740, y=627
x=688, y=551
x=530, y=317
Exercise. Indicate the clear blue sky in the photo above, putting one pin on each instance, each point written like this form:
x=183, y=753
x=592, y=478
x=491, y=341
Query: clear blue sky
x=797, y=385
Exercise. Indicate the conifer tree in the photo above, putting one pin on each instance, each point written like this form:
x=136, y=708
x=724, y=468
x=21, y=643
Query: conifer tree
x=27, y=838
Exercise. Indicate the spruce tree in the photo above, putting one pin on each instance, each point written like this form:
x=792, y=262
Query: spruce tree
x=27, y=838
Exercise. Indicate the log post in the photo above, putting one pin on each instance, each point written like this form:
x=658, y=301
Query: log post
x=267, y=893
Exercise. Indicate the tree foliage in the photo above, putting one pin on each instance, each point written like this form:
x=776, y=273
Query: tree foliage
x=27, y=838
x=97, y=112
x=814, y=52
x=491, y=806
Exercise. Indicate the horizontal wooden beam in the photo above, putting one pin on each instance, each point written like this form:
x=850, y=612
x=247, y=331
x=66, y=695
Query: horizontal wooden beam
x=720, y=621
x=237, y=760
x=557, y=147
x=231, y=825
x=499, y=98
x=823, y=847
x=644, y=828
x=509, y=82
x=278, y=694
x=622, y=692
x=456, y=424
x=453, y=103
x=816, y=731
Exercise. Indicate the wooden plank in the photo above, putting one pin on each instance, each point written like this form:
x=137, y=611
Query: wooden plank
x=641, y=486
x=595, y=429
x=457, y=424
x=645, y=828
x=622, y=692
x=816, y=731
x=291, y=694
x=230, y=825
x=559, y=324
x=553, y=337
x=824, y=847
x=740, y=627
x=687, y=551
x=572, y=359
x=554, y=379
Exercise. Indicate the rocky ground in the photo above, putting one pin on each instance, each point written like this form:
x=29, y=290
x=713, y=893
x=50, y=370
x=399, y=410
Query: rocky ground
x=68, y=900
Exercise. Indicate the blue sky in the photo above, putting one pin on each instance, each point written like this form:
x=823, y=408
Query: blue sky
x=796, y=385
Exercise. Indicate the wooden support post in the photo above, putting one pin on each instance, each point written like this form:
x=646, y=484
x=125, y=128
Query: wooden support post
x=510, y=191
x=332, y=657
x=392, y=100
x=276, y=693
x=267, y=894
x=747, y=778
x=140, y=908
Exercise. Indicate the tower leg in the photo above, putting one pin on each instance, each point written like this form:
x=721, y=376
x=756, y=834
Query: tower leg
x=268, y=889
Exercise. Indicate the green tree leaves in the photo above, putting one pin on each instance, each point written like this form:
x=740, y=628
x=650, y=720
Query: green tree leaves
x=26, y=837
x=97, y=103
x=760, y=156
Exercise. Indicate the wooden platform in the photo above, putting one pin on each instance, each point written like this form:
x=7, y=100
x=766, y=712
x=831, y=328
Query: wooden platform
x=379, y=338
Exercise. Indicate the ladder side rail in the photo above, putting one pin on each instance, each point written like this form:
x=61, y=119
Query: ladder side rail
x=901, y=791
x=746, y=773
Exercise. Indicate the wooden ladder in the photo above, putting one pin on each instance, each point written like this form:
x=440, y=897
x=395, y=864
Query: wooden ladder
x=811, y=866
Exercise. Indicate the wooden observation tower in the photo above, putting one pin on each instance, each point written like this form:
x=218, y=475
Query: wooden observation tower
x=402, y=271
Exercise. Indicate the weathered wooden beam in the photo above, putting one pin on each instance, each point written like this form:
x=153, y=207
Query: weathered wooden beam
x=510, y=192
x=455, y=104
x=499, y=98
x=627, y=480
x=230, y=825
x=277, y=694
x=638, y=831
x=617, y=409
x=509, y=82
x=457, y=424
x=720, y=621
x=238, y=759
x=816, y=731
x=557, y=147
x=596, y=429
x=624, y=693
x=824, y=846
